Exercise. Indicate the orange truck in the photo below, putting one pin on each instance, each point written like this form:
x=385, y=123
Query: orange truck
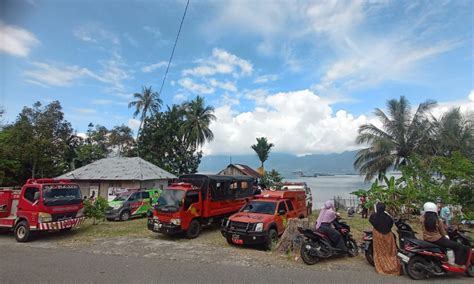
x=41, y=205
x=264, y=219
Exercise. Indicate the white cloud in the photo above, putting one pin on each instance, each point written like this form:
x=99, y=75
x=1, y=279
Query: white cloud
x=134, y=124
x=108, y=102
x=153, y=67
x=227, y=86
x=297, y=122
x=93, y=32
x=113, y=73
x=190, y=85
x=221, y=62
x=49, y=75
x=86, y=110
x=16, y=41
x=466, y=106
x=266, y=78
x=471, y=96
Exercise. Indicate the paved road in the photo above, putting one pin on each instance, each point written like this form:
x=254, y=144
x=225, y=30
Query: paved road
x=26, y=264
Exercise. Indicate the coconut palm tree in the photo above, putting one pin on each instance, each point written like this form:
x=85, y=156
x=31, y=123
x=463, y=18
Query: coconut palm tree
x=146, y=102
x=262, y=148
x=454, y=132
x=197, y=118
x=402, y=133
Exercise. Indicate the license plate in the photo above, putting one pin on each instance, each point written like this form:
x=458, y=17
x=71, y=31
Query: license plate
x=236, y=240
x=403, y=257
x=157, y=226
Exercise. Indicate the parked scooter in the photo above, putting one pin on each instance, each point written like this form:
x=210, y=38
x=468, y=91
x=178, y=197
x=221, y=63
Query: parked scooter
x=422, y=259
x=317, y=246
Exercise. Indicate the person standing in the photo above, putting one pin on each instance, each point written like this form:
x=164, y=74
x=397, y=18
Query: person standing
x=385, y=248
x=365, y=210
x=445, y=214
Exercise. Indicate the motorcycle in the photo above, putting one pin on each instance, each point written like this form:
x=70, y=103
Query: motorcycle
x=316, y=245
x=422, y=259
x=404, y=231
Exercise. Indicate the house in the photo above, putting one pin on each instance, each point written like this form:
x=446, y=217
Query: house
x=239, y=170
x=106, y=175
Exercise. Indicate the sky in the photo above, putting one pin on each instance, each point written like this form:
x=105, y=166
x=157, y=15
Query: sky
x=304, y=74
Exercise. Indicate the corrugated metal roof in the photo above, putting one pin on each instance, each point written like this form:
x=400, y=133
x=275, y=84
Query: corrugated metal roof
x=119, y=168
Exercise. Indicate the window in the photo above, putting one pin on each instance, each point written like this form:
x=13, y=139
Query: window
x=30, y=193
x=191, y=197
x=145, y=195
x=281, y=207
x=289, y=204
x=134, y=197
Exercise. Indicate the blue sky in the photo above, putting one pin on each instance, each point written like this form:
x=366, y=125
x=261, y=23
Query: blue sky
x=304, y=74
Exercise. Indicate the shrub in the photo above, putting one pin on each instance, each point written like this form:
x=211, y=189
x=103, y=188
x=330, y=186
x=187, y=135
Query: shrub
x=95, y=209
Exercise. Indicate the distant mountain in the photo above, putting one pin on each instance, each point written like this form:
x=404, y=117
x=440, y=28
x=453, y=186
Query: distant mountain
x=286, y=163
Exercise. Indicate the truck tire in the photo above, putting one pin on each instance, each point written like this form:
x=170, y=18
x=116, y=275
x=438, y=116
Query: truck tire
x=272, y=239
x=194, y=229
x=125, y=215
x=22, y=232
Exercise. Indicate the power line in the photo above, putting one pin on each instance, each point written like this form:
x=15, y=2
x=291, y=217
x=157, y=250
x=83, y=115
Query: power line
x=174, y=47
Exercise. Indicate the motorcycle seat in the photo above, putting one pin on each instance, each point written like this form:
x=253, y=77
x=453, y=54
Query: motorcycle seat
x=424, y=244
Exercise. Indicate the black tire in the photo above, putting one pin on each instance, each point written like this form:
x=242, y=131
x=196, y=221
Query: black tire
x=229, y=240
x=413, y=272
x=194, y=229
x=470, y=270
x=352, y=248
x=305, y=255
x=369, y=255
x=125, y=215
x=272, y=239
x=22, y=232
x=66, y=229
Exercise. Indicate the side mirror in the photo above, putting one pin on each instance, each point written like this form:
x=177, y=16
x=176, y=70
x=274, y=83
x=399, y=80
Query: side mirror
x=180, y=203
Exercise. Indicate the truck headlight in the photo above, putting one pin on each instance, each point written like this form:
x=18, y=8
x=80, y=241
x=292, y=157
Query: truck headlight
x=176, y=221
x=44, y=217
x=259, y=227
x=80, y=213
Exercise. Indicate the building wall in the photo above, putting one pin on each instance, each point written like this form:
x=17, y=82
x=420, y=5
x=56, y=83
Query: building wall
x=103, y=186
x=231, y=171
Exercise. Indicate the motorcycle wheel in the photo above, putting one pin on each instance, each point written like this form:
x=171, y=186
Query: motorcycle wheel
x=369, y=255
x=470, y=270
x=306, y=254
x=353, y=249
x=414, y=272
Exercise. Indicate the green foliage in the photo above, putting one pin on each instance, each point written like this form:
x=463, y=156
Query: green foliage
x=197, y=118
x=95, y=209
x=272, y=179
x=262, y=149
x=146, y=102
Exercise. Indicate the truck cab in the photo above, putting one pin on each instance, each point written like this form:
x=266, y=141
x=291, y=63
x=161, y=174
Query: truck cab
x=301, y=186
x=264, y=219
x=41, y=205
x=198, y=200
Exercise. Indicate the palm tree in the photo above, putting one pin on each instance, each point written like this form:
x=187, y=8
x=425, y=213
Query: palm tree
x=403, y=133
x=197, y=118
x=454, y=132
x=262, y=148
x=146, y=102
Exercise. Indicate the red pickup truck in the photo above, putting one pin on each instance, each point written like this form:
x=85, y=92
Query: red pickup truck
x=41, y=205
x=198, y=200
x=264, y=219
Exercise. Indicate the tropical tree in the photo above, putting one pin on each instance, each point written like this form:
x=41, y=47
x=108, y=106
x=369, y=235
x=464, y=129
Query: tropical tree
x=454, y=132
x=402, y=134
x=146, y=103
x=262, y=149
x=197, y=118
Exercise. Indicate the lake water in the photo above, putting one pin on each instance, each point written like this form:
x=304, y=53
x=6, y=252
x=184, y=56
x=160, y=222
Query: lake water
x=326, y=187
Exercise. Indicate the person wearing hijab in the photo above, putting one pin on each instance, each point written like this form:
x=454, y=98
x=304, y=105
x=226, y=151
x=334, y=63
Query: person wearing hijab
x=326, y=216
x=385, y=248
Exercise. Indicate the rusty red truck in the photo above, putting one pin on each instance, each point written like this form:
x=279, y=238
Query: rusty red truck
x=264, y=219
x=197, y=200
x=41, y=205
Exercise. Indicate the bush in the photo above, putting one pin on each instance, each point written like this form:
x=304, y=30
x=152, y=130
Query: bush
x=95, y=209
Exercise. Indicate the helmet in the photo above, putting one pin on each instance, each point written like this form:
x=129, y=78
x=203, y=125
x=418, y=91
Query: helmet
x=430, y=207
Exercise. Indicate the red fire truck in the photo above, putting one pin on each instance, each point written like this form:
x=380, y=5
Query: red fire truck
x=263, y=219
x=41, y=205
x=198, y=200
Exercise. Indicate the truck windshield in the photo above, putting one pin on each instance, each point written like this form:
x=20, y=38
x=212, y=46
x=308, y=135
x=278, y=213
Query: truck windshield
x=169, y=200
x=61, y=194
x=122, y=197
x=259, y=207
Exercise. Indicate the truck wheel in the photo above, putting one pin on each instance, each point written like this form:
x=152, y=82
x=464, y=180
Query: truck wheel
x=22, y=232
x=125, y=215
x=229, y=240
x=193, y=230
x=272, y=239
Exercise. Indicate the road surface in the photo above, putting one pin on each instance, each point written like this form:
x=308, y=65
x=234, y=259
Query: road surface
x=22, y=263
